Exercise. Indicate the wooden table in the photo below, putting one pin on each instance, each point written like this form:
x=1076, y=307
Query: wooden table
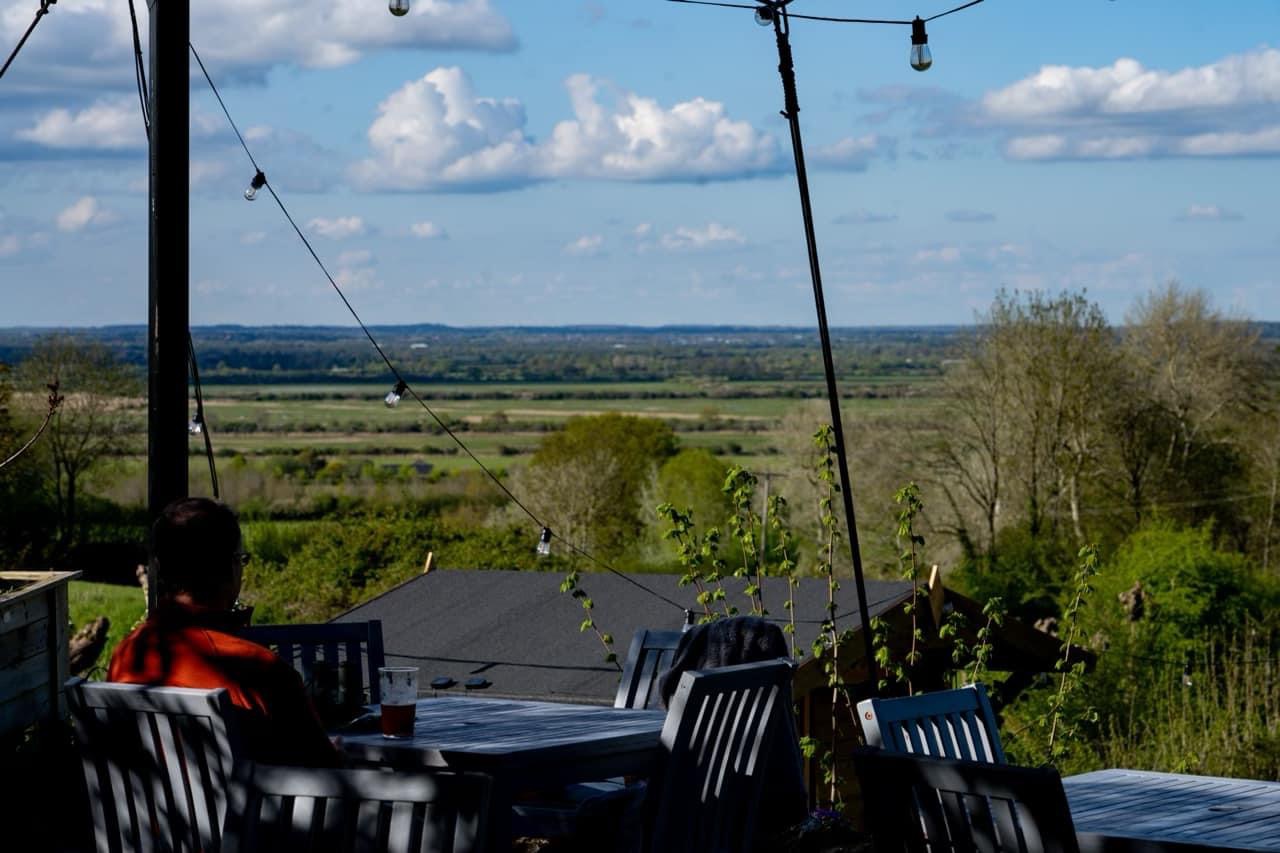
x=520, y=744
x=1133, y=810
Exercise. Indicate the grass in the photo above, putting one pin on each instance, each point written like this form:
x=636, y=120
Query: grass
x=123, y=605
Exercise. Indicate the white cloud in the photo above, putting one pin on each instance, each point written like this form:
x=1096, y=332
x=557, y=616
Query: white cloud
x=1208, y=213
x=355, y=258
x=9, y=245
x=427, y=231
x=252, y=238
x=712, y=235
x=85, y=213
x=1124, y=110
x=941, y=255
x=587, y=244
x=338, y=228
x=854, y=152
x=642, y=230
x=108, y=125
x=244, y=38
x=436, y=132
x=864, y=217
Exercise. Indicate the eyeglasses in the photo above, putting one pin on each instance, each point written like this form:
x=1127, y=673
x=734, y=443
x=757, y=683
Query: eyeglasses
x=244, y=558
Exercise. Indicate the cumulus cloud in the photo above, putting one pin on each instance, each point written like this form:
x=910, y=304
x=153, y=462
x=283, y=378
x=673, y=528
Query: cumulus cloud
x=107, y=125
x=437, y=133
x=427, y=231
x=338, y=228
x=85, y=213
x=1122, y=111
x=864, y=217
x=246, y=38
x=711, y=236
x=587, y=244
x=1208, y=213
x=854, y=152
x=970, y=216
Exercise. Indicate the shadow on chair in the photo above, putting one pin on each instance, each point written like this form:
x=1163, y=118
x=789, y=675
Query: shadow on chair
x=157, y=761
x=343, y=647
x=918, y=803
x=946, y=724
x=302, y=808
x=721, y=724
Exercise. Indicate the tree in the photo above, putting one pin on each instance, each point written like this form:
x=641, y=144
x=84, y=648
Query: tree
x=23, y=515
x=588, y=479
x=95, y=422
x=1202, y=374
x=1026, y=426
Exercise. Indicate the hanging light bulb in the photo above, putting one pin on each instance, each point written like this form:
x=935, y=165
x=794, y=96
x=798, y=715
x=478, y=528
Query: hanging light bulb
x=764, y=16
x=921, y=57
x=399, y=8
x=195, y=426
x=544, y=542
x=259, y=181
x=393, y=396
x=688, y=622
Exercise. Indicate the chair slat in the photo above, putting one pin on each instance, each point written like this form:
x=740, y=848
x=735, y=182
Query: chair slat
x=719, y=724
x=924, y=802
x=155, y=761
x=359, y=643
x=950, y=723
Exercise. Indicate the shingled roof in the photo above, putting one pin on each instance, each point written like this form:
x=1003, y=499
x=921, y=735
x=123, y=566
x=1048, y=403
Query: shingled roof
x=521, y=633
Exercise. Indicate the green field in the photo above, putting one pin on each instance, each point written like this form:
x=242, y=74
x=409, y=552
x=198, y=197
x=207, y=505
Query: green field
x=123, y=605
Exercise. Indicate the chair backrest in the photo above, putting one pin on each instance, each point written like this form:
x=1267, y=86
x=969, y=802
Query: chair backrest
x=650, y=655
x=920, y=803
x=946, y=724
x=304, y=808
x=157, y=762
x=354, y=644
x=719, y=729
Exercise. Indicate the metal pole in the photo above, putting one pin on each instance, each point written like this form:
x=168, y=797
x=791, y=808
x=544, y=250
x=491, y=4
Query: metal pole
x=791, y=112
x=168, y=298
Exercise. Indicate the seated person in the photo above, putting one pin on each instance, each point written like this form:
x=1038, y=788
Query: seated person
x=196, y=550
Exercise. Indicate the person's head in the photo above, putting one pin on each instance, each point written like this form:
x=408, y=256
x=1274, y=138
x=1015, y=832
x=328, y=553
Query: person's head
x=195, y=544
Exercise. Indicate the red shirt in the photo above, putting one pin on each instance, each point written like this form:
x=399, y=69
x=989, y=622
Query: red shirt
x=185, y=647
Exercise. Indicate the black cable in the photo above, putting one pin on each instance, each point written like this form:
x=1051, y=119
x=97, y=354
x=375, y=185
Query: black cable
x=791, y=14
x=400, y=380
x=232, y=122
x=200, y=418
x=139, y=72
x=43, y=10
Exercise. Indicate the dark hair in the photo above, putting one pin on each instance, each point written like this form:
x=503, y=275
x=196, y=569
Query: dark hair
x=193, y=544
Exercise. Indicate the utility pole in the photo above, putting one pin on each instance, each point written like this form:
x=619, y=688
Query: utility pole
x=168, y=297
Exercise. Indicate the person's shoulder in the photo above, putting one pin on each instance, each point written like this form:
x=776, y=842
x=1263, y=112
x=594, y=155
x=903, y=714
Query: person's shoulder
x=236, y=646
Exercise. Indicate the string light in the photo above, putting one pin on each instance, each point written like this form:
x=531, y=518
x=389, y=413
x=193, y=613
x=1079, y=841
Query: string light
x=401, y=386
x=921, y=56
x=393, y=396
x=399, y=8
x=258, y=182
x=195, y=426
x=764, y=16
x=544, y=542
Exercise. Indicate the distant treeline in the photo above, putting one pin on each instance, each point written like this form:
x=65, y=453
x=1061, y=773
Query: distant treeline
x=279, y=354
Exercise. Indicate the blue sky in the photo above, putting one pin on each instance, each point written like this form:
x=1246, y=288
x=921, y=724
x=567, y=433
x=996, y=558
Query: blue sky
x=623, y=161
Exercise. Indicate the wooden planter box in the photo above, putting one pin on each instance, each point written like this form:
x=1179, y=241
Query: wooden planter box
x=33, y=647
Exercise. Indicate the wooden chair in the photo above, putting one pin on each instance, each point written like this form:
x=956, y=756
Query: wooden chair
x=303, y=808
x=357, y=644
x=946, y=724
x=157, y=761
x=650, y=655
x=561, y=813
x=919, y=803
x=719, y=729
